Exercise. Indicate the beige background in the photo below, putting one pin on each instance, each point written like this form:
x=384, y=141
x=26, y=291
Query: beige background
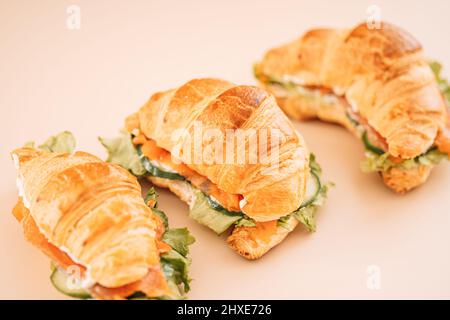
x=87, y=81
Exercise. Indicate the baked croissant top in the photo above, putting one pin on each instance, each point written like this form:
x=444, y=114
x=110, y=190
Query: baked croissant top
x=269, y=189
x=93, y=212
x=380, y=72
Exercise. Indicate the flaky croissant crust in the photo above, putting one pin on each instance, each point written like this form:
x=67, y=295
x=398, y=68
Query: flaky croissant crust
x=220, y=105
x=93, y=211
x=380, y=72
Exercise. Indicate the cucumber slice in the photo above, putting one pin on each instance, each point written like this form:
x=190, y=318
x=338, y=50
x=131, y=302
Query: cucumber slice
x=155, y=171
x=352, y=120
x=60, y=280
x=370, y=146
x=203, y=213
x=218, y=207
x=313, y=186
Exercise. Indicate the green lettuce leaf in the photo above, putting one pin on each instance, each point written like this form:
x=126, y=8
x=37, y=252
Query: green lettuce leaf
x=179, y=239
x=285, y=222
x=381, y=163
x=442, y=82
x=155, y=170
x=306, y=215
x=245, y=222
x=203, y=213
x=374, y=162
x=176, y=269
x=432, y=157
x=151, y=196
x=175, y=263
x=61, y=142
x=151, y=200
x=29, y=144
x=162, y=215
x=121, y=151
x=271, y=80
x=314, y=165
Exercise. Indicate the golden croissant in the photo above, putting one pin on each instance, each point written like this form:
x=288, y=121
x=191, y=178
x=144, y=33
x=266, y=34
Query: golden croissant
x=262, y=201
x=376, y=83
x=88, y=214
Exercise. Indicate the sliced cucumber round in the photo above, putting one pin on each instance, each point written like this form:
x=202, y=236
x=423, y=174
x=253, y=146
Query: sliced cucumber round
x=218, y=207
x=313, y=186
x=353, y=121
x=370, y=146
x=155, y=171
x=205, y=214
x=60, y=280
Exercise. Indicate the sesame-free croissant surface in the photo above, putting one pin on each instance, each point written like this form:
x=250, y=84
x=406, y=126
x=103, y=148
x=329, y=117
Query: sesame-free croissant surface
x=270, y=191
x=262, y=192
x=93, y=212
x=378, y=74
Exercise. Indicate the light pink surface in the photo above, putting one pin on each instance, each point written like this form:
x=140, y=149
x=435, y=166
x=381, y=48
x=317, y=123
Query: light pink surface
x=87, y=81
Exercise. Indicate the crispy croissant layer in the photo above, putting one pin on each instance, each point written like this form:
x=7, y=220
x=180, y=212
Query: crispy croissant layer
x=92, y=213
x=262, y=201
x=269, y=191
x=376, y=77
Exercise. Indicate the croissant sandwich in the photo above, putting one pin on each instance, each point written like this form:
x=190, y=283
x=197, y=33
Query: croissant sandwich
x=88, y=216
x=222, y=174
x=374, y=82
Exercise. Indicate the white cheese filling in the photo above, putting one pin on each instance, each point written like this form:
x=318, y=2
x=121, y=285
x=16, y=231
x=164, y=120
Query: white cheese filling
x=162, y=166
x=20, y=185
x=135, y=132
x=242, y=203
x=328, y=98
